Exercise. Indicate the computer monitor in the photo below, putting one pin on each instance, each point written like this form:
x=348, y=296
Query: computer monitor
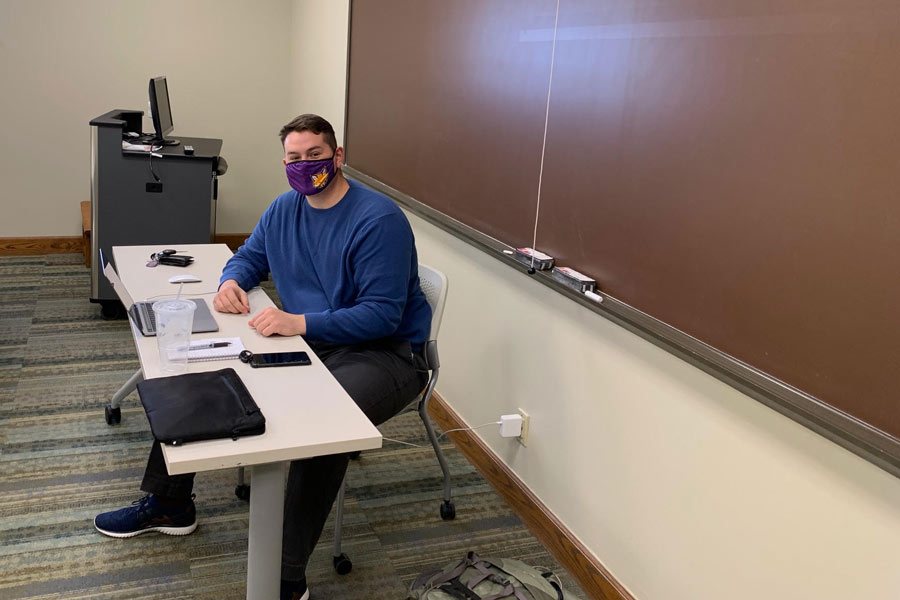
x=161, y=111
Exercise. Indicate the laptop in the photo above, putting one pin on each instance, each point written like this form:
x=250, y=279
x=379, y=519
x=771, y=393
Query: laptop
x=141, y=313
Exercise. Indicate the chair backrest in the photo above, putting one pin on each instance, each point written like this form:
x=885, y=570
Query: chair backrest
x=434, y=284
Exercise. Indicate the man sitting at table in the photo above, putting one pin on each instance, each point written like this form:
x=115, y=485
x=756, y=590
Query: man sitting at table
x=344, y=263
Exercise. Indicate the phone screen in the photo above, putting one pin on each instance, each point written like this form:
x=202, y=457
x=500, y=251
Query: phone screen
x=279, y=359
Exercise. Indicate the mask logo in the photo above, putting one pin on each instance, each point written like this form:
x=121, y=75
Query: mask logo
x=310, y=177
x=320, y=179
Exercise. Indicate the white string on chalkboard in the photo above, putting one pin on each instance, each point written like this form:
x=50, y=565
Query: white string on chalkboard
x=537, y=210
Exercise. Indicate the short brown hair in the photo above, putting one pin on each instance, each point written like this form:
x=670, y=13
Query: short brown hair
x=313, y=123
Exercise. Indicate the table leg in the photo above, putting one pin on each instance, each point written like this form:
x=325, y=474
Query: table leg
x=266, y=522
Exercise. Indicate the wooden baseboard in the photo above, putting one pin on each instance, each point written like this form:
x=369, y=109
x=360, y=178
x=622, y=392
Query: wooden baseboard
x=594, y=578
x=232, y=240
x=10, y=246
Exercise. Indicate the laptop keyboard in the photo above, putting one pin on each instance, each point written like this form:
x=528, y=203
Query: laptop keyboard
x=149, y=317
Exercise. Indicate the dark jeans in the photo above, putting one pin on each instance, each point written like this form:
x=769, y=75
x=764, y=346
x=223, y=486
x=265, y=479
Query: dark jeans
x=382, y=377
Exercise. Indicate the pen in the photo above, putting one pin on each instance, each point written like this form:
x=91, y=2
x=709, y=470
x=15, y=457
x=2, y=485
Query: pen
x=209, y=345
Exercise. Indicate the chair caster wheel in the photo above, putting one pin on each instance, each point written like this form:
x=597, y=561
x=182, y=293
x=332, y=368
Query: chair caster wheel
x=355, y=455
x=342, y=564
x=242, y=492
x=448, y=511
x=113, y=415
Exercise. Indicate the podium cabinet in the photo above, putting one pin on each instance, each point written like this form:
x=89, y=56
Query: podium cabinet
x=163, y=198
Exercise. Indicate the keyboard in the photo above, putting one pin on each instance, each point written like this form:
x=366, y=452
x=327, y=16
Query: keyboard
x=148, y=316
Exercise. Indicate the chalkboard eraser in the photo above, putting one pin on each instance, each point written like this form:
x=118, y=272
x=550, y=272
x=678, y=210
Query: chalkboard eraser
x=529, y=256
x=573, y=279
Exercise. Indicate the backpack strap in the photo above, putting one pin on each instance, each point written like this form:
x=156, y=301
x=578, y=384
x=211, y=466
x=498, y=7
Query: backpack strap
x=529, y=589
x=508, y=592
x=422, y=579
x=455, y=588
x=449, y=582
x=456, y=571
x=553, y=579
x=485, y=574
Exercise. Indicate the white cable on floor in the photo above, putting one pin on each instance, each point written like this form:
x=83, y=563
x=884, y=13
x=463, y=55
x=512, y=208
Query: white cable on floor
x=442, y=435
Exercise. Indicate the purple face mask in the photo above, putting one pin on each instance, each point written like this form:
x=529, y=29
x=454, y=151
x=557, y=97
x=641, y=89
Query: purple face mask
x=309, y=177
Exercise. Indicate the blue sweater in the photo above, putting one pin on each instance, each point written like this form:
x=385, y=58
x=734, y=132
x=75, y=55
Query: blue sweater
x=351, y=269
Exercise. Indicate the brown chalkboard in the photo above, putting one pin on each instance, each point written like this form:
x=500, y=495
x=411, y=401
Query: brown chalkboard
x=731, y=168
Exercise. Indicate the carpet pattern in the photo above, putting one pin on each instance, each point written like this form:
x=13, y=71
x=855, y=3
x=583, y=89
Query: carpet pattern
x=61, y=464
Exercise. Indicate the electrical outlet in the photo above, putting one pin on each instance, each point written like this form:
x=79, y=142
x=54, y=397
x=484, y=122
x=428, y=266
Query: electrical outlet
x=523, y=437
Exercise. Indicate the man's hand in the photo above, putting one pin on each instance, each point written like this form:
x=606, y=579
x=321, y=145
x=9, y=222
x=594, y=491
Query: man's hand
x=231, y=298
x=270, y=321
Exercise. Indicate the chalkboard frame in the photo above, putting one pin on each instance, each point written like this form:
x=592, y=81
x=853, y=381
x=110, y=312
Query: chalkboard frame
x=847, y=431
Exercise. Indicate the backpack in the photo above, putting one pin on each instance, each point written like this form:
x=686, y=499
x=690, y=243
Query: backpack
x=476, y=578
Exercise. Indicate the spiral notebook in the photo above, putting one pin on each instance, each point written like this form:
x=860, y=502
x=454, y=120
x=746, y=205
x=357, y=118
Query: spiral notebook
x=232, y=350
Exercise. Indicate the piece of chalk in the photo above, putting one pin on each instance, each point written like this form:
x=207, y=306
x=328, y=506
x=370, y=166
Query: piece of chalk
x=593, y=296
x=507, y=252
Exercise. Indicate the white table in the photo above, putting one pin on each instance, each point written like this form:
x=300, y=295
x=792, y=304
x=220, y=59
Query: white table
x=307, y=412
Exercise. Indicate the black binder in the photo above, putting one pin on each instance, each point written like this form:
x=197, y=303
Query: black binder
x=200, y=406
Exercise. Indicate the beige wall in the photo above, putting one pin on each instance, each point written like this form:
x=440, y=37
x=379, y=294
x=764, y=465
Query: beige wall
x=319, y=54
x=63, y=63
x=683, y=487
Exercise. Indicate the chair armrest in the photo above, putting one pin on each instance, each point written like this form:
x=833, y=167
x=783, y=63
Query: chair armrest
x=431, y=355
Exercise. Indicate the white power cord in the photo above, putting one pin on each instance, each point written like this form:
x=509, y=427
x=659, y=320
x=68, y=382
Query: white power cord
x=442, y=435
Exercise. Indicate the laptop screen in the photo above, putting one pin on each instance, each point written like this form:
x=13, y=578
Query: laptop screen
x=116, y=284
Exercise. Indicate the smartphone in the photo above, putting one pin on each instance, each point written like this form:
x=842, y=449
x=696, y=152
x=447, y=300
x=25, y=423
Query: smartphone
x=279, y=359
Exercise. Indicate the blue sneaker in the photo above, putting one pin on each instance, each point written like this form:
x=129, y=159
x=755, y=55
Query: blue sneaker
x=146, y=515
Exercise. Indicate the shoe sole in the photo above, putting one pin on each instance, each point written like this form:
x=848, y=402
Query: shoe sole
x=164, y=530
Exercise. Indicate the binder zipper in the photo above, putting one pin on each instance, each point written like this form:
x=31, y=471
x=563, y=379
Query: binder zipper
x=240, y=399
x=238, y=430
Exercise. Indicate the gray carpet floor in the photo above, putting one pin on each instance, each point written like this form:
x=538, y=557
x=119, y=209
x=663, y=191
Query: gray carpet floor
x=60, y=464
